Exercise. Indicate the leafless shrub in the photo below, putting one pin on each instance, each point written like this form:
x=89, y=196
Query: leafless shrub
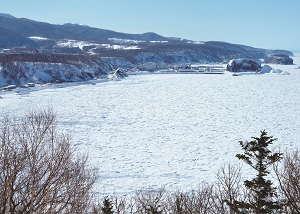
x=124, y=205
x=178, y=202
x=289, y=183
x=150, y=202
x=203, y=199
x=228, y=187
x=40, y=173
x=207, y=198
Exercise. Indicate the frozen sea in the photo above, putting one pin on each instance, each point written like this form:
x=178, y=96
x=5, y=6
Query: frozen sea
x=172, y=130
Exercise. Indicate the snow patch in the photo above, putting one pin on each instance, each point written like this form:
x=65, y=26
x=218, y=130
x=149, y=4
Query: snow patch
x=75, y=44
x=266, y=69
x=196, y=42
x=159, y=41
x=278, y=71
x=37, y=38
x=127, y=41
x=119, y=47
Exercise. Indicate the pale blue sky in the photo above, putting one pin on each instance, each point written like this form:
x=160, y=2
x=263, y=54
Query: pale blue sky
x=273, y=24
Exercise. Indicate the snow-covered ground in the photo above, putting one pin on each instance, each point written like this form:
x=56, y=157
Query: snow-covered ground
x=171, y=129
x=82, y=44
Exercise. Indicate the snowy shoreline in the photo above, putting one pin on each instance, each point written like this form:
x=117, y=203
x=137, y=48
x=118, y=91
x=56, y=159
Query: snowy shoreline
x=270, y=68
x=39, y=86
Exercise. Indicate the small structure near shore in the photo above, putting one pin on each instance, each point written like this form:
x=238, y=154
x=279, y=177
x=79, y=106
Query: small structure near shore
x=118, y=74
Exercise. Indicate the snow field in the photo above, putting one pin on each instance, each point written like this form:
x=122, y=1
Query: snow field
x=176, y=130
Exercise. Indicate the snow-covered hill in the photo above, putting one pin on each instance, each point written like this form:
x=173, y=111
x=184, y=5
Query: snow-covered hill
x=135, y=48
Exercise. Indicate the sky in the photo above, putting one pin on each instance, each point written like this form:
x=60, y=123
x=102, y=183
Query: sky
x=271, y=24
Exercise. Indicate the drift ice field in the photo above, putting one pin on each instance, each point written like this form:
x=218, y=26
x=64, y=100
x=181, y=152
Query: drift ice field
x=172, y=130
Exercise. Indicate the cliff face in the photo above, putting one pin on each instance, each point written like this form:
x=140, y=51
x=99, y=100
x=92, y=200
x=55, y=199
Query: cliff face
x=279, y=59
x=22, y=72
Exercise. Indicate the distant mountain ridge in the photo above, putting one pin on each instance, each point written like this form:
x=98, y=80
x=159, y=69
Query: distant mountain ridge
x=133, y=48
x=27, y=28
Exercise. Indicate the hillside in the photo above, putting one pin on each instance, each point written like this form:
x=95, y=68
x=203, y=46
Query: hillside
x=28, y=28
x=129, y=48
x=72, y=52
x=9, y=39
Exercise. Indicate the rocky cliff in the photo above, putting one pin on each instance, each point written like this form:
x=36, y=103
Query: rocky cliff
x=279, y=59
x=17, y=70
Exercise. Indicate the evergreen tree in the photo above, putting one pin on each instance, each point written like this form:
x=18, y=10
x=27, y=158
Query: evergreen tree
x=259, y=157
x=107, y=206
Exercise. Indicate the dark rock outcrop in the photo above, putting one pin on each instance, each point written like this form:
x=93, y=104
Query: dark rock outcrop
x=279, y=59
x=244, y=65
